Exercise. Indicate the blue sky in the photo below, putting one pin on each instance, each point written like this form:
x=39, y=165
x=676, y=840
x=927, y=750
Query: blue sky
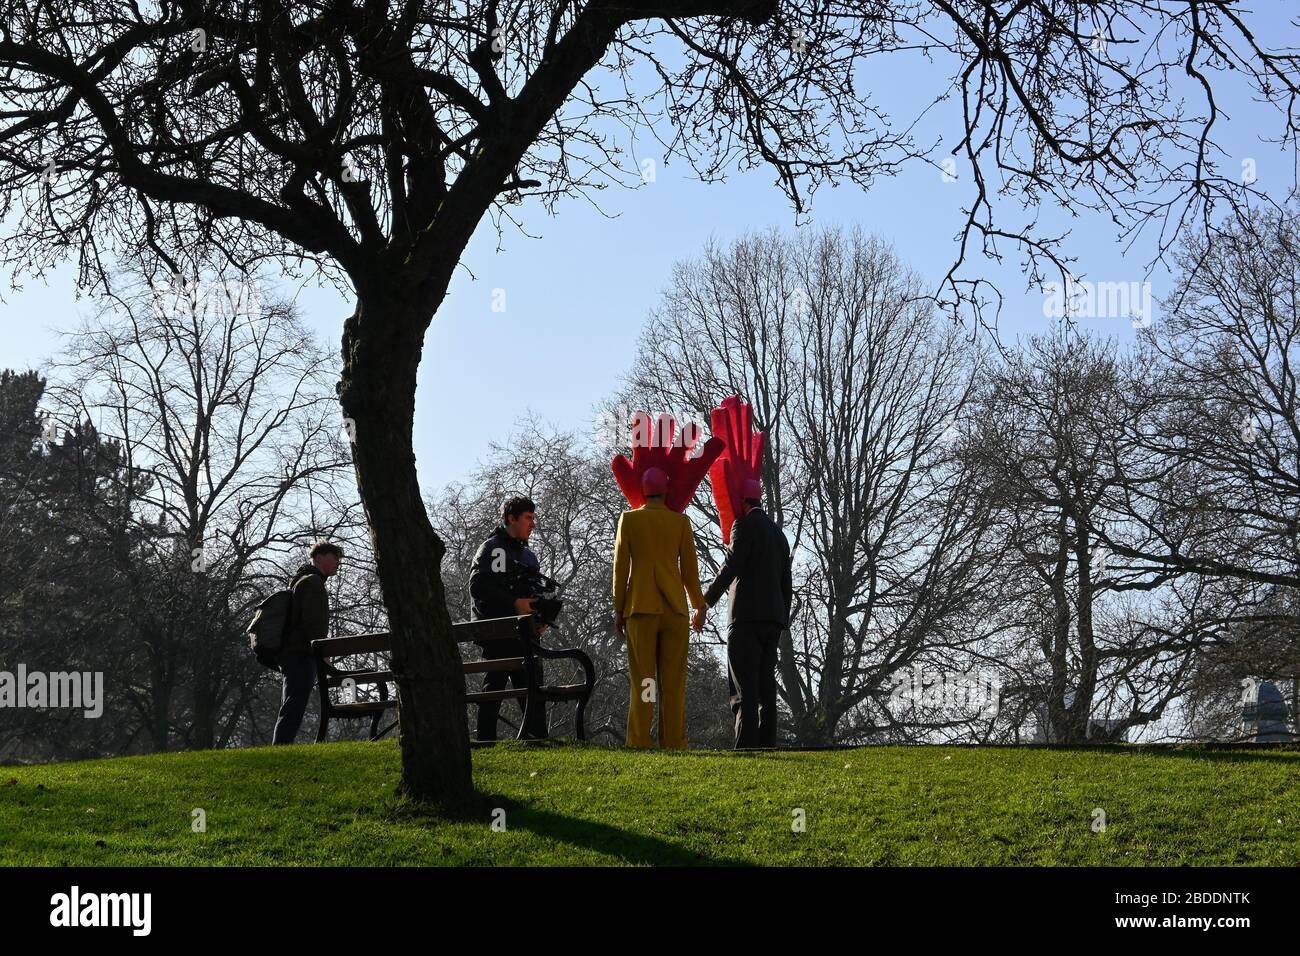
x=576, y=297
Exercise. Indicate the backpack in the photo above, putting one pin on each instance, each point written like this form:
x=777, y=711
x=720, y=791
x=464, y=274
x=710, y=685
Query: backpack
x=270, y=624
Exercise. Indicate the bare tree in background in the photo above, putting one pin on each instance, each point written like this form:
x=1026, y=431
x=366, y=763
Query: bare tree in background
x=1099, y=643
x=1212, y=472
x=231, y=436
x=1261, y=643
x=839, y=351
x=369, y=141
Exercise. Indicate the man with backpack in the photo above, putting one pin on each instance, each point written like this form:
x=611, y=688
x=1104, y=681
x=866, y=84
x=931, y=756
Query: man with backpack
x=309, y=619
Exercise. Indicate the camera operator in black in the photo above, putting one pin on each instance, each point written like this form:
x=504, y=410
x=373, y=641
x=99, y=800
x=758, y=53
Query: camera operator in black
x=497, y=588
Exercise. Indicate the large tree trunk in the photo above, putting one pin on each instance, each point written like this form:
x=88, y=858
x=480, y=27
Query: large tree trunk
x=161, y=682
x=203, y=732
x=203, y=692
x=381, y=354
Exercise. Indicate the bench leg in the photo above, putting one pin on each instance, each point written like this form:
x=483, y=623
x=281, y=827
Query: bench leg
x=324, y=716
x=374, y=723
x=523, y=715
x=578, y=725
x=322, y=691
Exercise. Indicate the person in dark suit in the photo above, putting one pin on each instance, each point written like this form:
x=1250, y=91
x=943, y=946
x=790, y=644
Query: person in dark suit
x=757, y=572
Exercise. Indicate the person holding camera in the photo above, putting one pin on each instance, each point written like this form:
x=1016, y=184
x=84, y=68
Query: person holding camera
x=500, y=585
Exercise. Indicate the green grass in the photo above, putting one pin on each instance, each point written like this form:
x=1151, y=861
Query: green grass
x=574, y=804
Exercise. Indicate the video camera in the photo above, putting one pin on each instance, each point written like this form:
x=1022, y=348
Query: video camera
x=528, y=583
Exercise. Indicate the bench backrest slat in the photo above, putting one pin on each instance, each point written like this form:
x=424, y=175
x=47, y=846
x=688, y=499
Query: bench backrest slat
x=356, y=644
x=489, y=629
x=464, y=631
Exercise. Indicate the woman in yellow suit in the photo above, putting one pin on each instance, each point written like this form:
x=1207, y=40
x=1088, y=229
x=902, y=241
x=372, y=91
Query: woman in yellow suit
x=654, y=570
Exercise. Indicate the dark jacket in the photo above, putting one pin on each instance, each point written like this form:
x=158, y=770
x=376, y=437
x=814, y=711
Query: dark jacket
x=495, y=580
x=757, y=572
x=309, y=612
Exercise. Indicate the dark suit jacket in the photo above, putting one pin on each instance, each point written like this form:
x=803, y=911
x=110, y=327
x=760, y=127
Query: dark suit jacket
x=493, y=583
x=757, y=572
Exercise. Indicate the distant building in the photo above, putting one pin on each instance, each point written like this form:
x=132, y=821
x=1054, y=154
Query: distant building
x=1264, y=712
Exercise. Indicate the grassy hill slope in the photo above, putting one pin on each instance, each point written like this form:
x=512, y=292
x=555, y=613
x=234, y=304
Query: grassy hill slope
x=574, y=804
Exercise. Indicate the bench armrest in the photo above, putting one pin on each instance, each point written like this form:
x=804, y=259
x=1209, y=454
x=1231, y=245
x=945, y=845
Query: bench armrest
x=567, y=653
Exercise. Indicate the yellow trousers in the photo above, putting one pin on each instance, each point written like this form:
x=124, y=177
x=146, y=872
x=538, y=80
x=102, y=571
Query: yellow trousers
x=656, y=661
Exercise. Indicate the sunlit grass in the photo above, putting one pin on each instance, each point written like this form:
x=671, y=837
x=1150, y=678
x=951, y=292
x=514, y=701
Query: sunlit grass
x=574, y=804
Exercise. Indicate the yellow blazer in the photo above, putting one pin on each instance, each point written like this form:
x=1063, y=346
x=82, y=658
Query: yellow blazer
x=654, y=562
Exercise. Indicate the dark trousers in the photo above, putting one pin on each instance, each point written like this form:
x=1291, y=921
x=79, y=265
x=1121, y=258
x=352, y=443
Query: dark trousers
x=299, y=677
x=535, y=725
x=751, y=677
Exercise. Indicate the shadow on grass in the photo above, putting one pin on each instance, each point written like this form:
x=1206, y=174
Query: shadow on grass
x=634, y=848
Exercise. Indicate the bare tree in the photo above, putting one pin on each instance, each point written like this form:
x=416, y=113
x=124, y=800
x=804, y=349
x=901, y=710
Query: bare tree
x=1099, y=643
x=861, y=384
x=371, y=139
x=1211, y=473
x=233, y=447
x=1260, y=644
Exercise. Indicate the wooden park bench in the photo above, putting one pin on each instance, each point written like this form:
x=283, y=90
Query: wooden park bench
x=331, y=677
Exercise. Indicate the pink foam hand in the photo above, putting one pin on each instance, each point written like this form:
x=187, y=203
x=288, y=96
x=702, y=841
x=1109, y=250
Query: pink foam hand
x=628, y=473
x=733, y=422
x=653, y=447
x=746, y=444
x=720, y=482
x=629, y=482
x=686, y=474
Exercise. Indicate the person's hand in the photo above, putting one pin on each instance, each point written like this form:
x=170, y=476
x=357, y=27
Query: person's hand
x=697, y=621
x=524, y=605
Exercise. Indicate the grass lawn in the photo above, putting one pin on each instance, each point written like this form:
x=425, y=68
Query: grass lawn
x=576, y=804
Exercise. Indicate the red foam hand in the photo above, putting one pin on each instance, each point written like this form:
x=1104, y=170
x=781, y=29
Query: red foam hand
x=733, y=422
x=653, y=447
